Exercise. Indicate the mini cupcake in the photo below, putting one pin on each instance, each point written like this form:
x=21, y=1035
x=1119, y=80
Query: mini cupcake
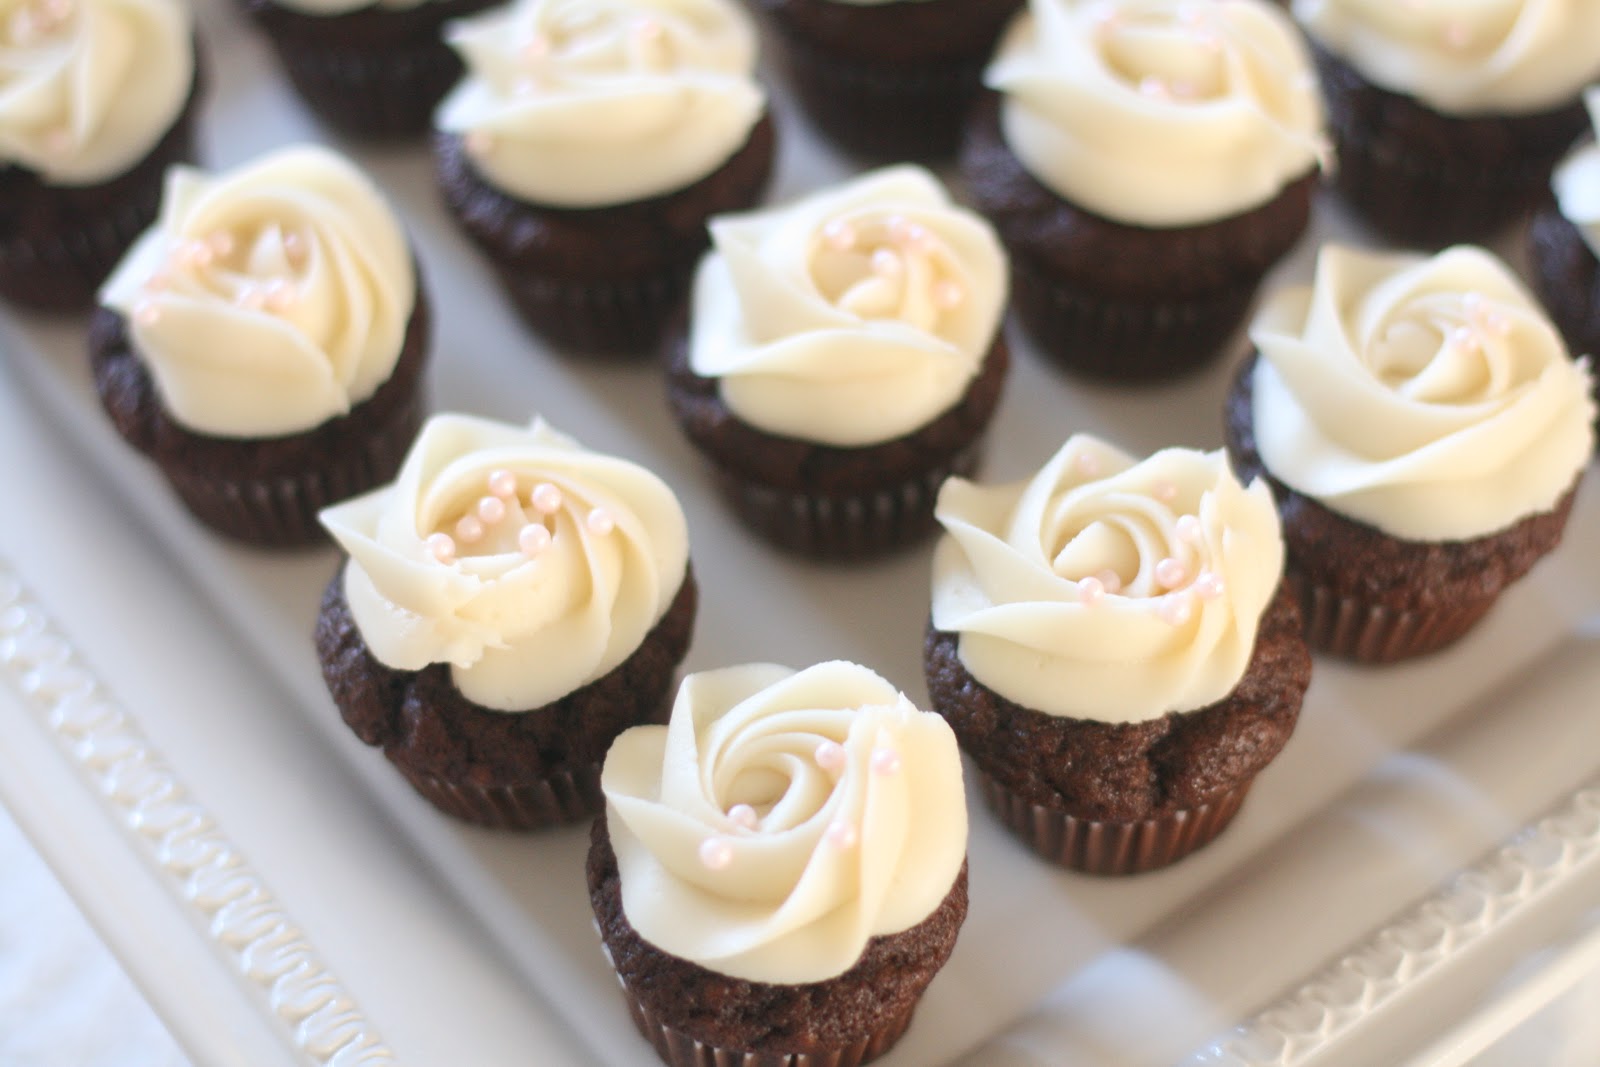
x=369, y=68
x=781, y=870
x=264, y=342
x=1424, y=431
x=844, y=357
x=889, y=79
x=97, y=99
x=511, y=603
x=1113, y=645
x=588, y=145
x=1146, y=162
x=1565, y=245
x=1448, y=117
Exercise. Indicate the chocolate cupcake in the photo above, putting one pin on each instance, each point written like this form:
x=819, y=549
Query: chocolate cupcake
x=264, y=343
x=844, y=357
x=99, y=100
x=1146, y=162
x=588, y=145
x=1424, y=431
x=781, y=869
x=511, y=603
x=368, y=68
x=889, y=79
x=1448, y=118
x=1114, y=647
x=1564, y=245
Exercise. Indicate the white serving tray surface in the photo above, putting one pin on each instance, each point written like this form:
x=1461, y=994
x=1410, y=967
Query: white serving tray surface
x=1360, y=905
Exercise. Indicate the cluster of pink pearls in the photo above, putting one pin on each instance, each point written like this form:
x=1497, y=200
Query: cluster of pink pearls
x=493, y=508
x=906, y=238
x=716, y=853
x=273, y=294
x=32, y=22
x=646, y=36
x=1481, y=320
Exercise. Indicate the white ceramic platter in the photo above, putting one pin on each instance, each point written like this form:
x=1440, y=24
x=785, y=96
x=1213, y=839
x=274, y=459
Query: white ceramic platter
x=1360, y=906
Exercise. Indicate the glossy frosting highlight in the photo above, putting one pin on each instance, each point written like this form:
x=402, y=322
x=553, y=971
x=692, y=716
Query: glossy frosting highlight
x=587, y=103
x=782, y=819
x=852, y=316
x=1159, y=112
x=88, y=87
x=1108, y=588
x=1576, y=182
x=448, y=564
x=1426, y=396
x=1483, y=57
x=270, y=298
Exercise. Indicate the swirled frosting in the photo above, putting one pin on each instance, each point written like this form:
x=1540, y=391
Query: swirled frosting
x=853, y=316
x=782, y=819
x=1104, y=588
x=586, y=103
x=1488, y=56
x=88, y=87
x=529, y=564
x=1577, y=182
x=1428, y=397
x=1159, y=112
x=268, y=299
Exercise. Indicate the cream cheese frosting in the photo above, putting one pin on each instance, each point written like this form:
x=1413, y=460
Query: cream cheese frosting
x=783, y=818
x=270, y=298
x=1107, y=588
x=1159, y=112
x=530, y=564
x=1427, y=397
x=1487, y=56
x=588, y=103
x=1577, y=182
x=88, y=87
x=852, y=316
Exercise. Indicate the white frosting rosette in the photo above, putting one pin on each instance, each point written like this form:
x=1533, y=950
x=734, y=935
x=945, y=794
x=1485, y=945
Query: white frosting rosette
x=1105, y=588
x=1577, y=181
x=850, y=317
x=529, y=564
x=588, y=103
x=268, y=299
x=1487, y=56
x=1159, y=112
x=88, y=87
x=782, y=819
x=1427, y=397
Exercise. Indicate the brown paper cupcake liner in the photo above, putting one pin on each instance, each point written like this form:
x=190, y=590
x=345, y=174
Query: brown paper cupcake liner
x=1126, y=340
x=1093, y=846
x=884, y=111
x=1366, y=632
x=559, y=798
x=616, y=316
x=281, y=511
x=845, y=526
x=678, y=1049
x=364, y=91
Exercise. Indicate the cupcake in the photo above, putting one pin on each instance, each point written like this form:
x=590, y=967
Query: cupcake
x=1146, y=162
x=97, y=99
x=511, y=603
x=889, y=79
x=1564, y=245
x=588, y=145
x=264, y=342
x=1114, y=647
x=843, y=357
x=369, y=68
x=780, y=870
x=1424, y=431
x=1448, y=117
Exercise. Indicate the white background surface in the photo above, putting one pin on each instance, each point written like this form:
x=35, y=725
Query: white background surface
x=1394, y=780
